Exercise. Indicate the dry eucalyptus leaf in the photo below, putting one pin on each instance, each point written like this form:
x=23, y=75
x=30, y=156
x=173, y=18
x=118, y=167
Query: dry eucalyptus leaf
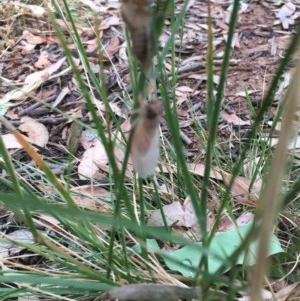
x=43, y=60
x=88, y=138
x=37, y=132
x=112, y=47
x=285, y=13
x=245, y=218
x=91, y=196
x=11, y=142
x=109, y=22
x=291, y=291
x=92, y=159
x=36, y=10
x=24, y=236
x=33, y=39
x=234, y=119
x=175, y=213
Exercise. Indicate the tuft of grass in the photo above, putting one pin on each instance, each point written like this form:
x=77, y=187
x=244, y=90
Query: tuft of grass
x=86, y=251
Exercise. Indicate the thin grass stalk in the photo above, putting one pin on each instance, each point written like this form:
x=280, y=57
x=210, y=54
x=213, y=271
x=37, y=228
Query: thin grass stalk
x=172, y=119
x=160, y=206
x=210, y=105
x=142, y=234
x=216, y=112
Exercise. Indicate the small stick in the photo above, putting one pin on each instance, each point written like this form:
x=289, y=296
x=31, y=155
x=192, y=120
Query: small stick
x=185, y=138
x=143, y=292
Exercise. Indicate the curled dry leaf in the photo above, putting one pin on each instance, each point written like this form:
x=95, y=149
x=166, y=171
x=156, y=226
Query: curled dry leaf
x=285, y=13
x=33, y=39
x=112, y=47
x=37, y=132
x=92, y=160
x=10, y=141
x=36, y=10
x=175, y=213
x=241, y=185
x=234, y=119
x=244, y=219
x=43, y=60
x=91, y=197
x=9, y=248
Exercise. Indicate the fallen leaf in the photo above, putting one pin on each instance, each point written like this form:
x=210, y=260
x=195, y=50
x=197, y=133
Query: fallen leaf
x=184, y=89
x=91, y=197
x=33, y=39
x=88, y=138
x=50, y=221
x=203, y=77
x=36, y=10
x=175, y=213
x=37, y=132
x=26, y=47
x=244, y=93
x=252, y=165
x=109, y=22
x=291, y=291
x=234, y=119
x=43, y=60
x=112, y=47
x=11, y=114
x=123, y=54
x=285, y=13
x=10, y=141
x=244, y=219
x=113, y=106
x=9, y=248
x=92, y=160
x=28, y=298
x=240, y=188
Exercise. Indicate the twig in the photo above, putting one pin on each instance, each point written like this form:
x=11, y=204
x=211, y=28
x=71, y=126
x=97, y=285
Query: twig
x=185, y=138
x=142, y=292
x=36, y=105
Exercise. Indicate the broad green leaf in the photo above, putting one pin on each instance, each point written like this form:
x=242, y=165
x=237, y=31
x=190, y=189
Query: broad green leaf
x=186, y=259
